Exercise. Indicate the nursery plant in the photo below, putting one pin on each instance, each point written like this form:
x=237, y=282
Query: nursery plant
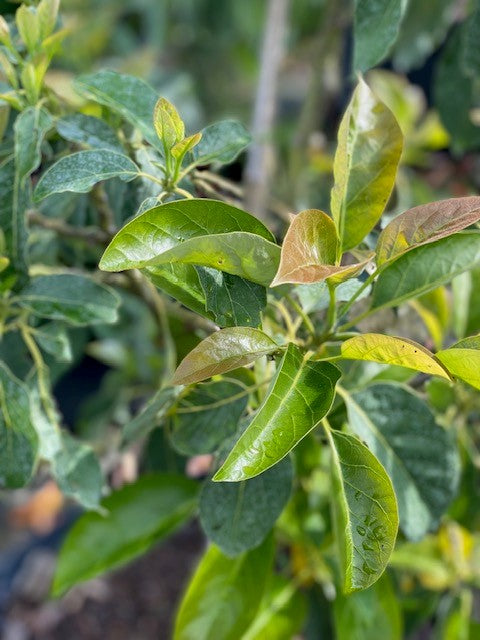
x=331, y=379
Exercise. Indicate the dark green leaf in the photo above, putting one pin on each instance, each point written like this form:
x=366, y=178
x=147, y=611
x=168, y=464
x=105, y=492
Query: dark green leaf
x=221, y=143
x=365, y=512
x=232, y=301
x=208, y=415
x=18, y=438
x=376, y=27
x=75, y=299
x=14, y=200
x=79, y=172
x=138, y=515
x=419, y=456
x=151, y=414
x=237, y=516
x=30, y=128
x=300, y=395
x=88, y=131
x=425, y=268
x=470, y=36
x=224, y=594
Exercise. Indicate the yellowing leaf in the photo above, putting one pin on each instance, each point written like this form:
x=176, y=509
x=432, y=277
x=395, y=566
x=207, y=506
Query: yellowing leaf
x=310, y=250
x=377, y=347
x=223, y=351
x=369, y=148
x=168, y=124
x=425, y=224
x=463, y=360
x=185, y=145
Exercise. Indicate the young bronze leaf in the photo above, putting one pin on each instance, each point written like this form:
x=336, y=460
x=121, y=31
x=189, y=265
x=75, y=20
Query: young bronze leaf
x=426, y=223
x=365, y=511
x=223, y=351
x=301, y=394
x=377, y=347
x=369, y=148
x=463, y=360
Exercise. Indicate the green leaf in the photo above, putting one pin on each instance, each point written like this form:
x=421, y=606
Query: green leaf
x=207, y=415
x=223, y=351
x=126, y=95
x=168, y=124
x=424, y=224
x=300, y=395
x=204, y=232
x=18, y=438
x=30, y=128
x=463, y=360
x=138, y=515
x=470, y=58
x=419, y=456
x=75, y=299
x=365, y=165
x=451, y=82
x=230, y=300
x=151, y=414
x=221, y=143
x=88, y=131
x=378, y=347
x=237, y=516
x=365, y=512
x=47, y=12
x=79, y=172
x=14, y=200
x=224, y=594
x=425, y=268
x=376, y=27
x=373, y=613
x=53, y=339
x=281, y=614
x=184, y=146
x=28, y=26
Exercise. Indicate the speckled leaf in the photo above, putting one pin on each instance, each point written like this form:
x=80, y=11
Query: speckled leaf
x=237, y=516
x=30, y=129
x=18, y=438
x=89, y=132
x=425, y=268
x=426, y=223
x=75, y=299
x=224, y=594
x=378, y=347
x=369, y=148
x=207, y=415
x=137, y=516
x=300, y=395
x=79, y=172
x=223, y=351
x=419, y=456
x=365, y=512
x=221, y=143
x=463, y=360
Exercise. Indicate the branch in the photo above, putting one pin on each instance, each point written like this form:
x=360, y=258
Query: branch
x=87, y=234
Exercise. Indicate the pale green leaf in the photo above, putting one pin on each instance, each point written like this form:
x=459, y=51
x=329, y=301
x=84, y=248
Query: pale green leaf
x=463, y=360
x=28, y=26
x=224, y=351
x=221, y=143
x=300, y=395
x=30, y=129
x=168, y=124
x=137, y=516
x=89, y=132
x=80, y=171
x=47, y=12
x=184, y=146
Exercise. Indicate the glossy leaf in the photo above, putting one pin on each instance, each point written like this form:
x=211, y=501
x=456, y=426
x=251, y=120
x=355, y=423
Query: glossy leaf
x=237, y=516
x=88, y=131
x=463, y=360
x=378, y=347
x=300, y=395
x=137, y=516
x=79, y=172
x=419, y=456
x=365, y=512
x=75, y=299
x=369, y=148
x=376, y=27
x=425, y=268
x=30, y=128
x=426, y=223
x=207, y=415
x=151, y=414
x=18, y=438
x=373, y=613
x=223, y=351
x=221, y=143
x=232, y=301
x=130, y=97
x=224, y=594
